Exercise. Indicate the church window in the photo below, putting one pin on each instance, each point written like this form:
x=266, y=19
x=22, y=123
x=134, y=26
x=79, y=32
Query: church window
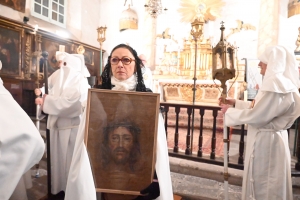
x=53, y=11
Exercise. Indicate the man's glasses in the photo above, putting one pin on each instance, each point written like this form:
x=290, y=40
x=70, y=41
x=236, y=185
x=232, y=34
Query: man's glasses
x=124, y=60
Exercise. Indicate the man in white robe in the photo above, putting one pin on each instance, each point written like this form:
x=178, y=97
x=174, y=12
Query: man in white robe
x=68, y=88
x=21, y=145
x=267, y=166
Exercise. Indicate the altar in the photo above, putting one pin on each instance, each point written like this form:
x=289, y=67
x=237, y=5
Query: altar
x=173, y=77
x=207, y=91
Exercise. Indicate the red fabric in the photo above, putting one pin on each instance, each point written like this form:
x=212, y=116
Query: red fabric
x=206, y=146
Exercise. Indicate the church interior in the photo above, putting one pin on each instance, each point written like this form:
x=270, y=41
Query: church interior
x=183, y=64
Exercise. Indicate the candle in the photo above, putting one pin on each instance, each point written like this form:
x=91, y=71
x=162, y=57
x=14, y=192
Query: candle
x=101, y=61
x=62, y=48
x=245, y=95
x=178, y=62
x=235, y=89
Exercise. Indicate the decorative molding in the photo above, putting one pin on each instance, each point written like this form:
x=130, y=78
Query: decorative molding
x=26, y=69
x=293, y=8
x=184, y=92
x=165, y=34
x=192, y=9
x=241, y=26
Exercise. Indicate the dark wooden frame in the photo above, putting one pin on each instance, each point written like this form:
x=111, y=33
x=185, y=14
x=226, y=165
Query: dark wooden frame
x=22, y=83
x=89, y=57
x=106, y=107
x=18, y=5
x=51, y=46
x=11, y=60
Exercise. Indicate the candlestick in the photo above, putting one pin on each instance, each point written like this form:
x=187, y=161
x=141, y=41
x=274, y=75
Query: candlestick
x=62, y=48
x=246, y=95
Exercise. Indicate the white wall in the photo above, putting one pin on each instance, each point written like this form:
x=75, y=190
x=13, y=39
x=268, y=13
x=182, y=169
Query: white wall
x=248, y=12
x=245, y=10
x=82, y=20
x=85, y=16
x=110, y=14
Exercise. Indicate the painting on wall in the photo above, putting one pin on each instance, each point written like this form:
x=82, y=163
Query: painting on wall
x=18, y=5
x=10, y=51
x=121, y=140
x=89, y=57
x=51, y=46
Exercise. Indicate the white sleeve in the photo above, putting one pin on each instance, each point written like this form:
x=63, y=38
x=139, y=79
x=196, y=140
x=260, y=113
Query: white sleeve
x=162, y=165
x=68, y=105
x=263, y=112
x=62, y=106
x=239, y=104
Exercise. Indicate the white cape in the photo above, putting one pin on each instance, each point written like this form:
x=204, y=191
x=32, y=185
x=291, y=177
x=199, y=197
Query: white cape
x=21, y=145
x=80, y=183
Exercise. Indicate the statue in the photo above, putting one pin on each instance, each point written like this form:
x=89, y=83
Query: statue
x=298, y=42
x=241, y=26
x=165, y=34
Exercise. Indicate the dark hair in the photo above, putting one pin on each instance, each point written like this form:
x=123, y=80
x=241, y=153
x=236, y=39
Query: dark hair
x=134, y=153
x=106, y=75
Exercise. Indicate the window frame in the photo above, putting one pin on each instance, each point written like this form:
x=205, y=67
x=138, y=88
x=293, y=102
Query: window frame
x=49, y=18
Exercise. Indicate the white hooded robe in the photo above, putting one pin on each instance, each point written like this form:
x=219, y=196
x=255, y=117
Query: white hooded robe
x=68, y=88
x=267, y=165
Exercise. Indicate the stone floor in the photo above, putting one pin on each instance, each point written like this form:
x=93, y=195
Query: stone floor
x=201, y=181
x=191, y=180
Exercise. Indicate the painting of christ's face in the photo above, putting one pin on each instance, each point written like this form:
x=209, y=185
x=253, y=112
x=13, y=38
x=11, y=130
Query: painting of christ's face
x=120, y=144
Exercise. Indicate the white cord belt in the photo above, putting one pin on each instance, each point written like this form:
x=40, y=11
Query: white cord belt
x=68, y=127
x=269, y=130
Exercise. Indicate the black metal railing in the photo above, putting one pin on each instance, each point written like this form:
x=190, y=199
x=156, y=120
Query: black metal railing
x=177, y=111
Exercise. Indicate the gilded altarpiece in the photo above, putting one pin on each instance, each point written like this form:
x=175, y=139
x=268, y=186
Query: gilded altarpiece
x=176, y=71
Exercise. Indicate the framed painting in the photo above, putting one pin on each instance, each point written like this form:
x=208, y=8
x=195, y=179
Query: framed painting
x=51, y=46
x=89, y=57
x=10, y=51
x=18, y=5
x=120, y=136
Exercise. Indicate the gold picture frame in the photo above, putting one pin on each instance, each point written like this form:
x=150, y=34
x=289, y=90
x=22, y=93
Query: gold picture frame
x=120, y=136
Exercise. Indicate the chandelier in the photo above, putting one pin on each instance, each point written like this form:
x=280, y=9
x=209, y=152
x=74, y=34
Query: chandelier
x=154, y=8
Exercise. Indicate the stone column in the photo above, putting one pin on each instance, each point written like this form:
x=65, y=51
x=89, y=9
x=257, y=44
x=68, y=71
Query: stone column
x=149, y=39
x=268, y=24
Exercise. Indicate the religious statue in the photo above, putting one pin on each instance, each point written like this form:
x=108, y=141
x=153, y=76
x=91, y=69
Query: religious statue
x=165, y=34
x=241, y=26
